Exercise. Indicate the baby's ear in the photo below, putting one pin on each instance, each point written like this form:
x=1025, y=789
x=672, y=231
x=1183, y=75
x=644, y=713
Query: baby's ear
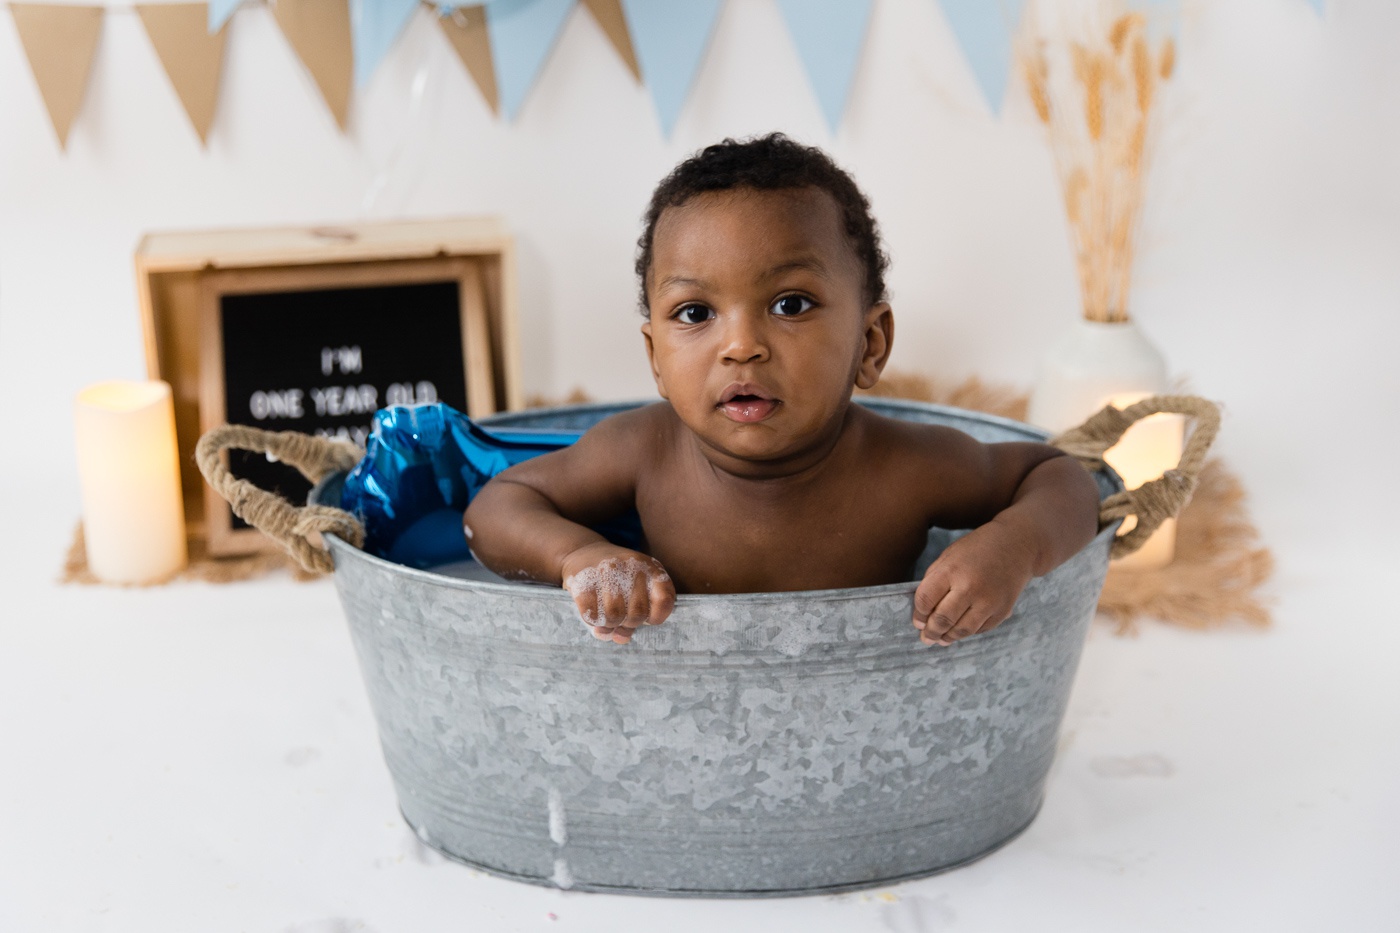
x=877, y=342
x=651, y=358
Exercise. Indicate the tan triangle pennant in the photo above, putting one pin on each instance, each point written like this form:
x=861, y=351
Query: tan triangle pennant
x=465, y=28
x=59, y=41
x=192, y=58
x=319, y=32
x=608, y=13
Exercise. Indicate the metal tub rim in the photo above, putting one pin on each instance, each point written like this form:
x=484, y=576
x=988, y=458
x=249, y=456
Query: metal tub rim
x=526, y=589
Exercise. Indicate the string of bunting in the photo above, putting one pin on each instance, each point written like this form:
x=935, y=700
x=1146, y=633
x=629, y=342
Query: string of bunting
x=503, y=45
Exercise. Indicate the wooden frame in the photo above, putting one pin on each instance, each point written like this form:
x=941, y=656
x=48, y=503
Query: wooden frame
x=179, y=276
x=223, y=537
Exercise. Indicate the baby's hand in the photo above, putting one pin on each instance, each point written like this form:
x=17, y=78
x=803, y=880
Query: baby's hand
x=973, y=585
x=616, y=590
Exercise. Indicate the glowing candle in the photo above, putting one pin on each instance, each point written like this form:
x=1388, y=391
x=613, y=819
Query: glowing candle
x=1150, y=448
x=129, y=471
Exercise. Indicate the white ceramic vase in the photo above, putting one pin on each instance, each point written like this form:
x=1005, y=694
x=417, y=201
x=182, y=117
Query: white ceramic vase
x=1090, y=365
x=1096, y=364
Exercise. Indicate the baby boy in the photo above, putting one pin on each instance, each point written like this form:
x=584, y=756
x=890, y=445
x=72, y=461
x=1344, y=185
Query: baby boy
x=763, y=287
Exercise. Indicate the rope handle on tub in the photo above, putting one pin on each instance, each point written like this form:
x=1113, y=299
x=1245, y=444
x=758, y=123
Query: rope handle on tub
x=297, y=528
x=1156, y=500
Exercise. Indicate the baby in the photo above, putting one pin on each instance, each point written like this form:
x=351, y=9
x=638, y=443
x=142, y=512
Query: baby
x=763, y=288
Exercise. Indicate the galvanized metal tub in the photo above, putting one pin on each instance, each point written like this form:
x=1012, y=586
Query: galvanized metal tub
x=755, y=744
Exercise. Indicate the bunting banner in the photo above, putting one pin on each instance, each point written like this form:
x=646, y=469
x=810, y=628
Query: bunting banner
x=465, y=28
x=59, y=42
x=522, y=34
x=219, y=12
x=375, y=25
x=319, y=33
x=670, y=39
x=608, y=14
x=191, y=56
x=829, y=35
x=984, y=29
x=503, y=44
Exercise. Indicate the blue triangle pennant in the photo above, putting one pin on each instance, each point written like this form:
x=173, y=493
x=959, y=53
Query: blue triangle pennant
x=522, y=33
x=984, y=29
x=374, y=27
x=829, y=35
x=219, y=12
x=670, y=39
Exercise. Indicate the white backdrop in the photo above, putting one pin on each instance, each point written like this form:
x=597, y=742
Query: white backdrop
x=145, y=781
x=1266, y=270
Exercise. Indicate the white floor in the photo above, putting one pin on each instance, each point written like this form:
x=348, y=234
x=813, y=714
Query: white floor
x=200, y=758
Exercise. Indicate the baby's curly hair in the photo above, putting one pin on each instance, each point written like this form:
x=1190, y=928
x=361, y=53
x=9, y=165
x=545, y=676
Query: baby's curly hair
x=768, y=163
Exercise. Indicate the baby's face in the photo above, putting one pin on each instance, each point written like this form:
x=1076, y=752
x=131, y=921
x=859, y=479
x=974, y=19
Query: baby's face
x=758, y=326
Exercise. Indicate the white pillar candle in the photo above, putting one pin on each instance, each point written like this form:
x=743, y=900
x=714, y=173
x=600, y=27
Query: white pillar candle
x=129, y=471
x=1147, y=450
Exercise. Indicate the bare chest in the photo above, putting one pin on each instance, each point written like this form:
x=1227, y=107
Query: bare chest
x=843, y=533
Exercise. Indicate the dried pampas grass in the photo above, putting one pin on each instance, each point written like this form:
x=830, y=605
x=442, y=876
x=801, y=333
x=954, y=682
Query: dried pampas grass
x=1093, y=79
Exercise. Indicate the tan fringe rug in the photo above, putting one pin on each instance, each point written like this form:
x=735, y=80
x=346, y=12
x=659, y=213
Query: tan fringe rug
x=1214, y=580
x=202, y=565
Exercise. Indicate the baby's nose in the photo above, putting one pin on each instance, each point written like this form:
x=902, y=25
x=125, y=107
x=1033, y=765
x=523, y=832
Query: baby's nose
x=745, y=341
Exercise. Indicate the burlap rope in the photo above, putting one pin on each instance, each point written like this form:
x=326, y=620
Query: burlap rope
x=297, y=529
x=1157, y=500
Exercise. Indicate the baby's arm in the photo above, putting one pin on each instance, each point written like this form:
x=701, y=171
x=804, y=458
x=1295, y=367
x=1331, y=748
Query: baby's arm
x=1031, y=508
x=531, y=521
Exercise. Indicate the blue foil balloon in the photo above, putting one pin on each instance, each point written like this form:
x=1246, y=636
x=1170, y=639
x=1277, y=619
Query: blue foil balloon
x=423, y=464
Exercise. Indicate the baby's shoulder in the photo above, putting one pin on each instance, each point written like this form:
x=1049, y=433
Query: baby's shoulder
x=634, y=429
x=917, y=443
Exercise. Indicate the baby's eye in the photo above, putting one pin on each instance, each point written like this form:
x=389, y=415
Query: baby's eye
x=790, y=305
x=694, y=314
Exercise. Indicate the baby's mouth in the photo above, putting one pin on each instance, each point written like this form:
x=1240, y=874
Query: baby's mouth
x=747, y=403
